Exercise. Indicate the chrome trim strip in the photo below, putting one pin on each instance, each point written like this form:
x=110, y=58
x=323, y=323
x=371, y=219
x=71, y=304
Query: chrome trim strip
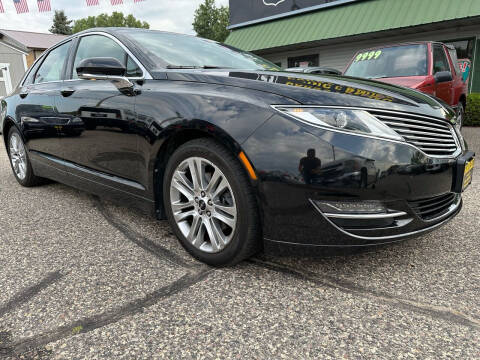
x=456, y=202
x=452, y=156
x=445, y=218
x=404, y=125
x=85, y=170
x=420, y=138
x=146, y=74
x=436, y=123
x=366, y=216
x=419, y=132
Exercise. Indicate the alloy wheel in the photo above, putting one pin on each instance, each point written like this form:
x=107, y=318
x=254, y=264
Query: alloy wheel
x=18, y=156
x=203, y=204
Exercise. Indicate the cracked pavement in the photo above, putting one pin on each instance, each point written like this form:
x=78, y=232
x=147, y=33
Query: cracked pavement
x=82, y=278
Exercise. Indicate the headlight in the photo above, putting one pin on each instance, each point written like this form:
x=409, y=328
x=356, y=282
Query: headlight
x=345, y=120
x=458, y=132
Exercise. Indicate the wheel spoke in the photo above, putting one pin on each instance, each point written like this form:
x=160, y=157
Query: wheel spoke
x=220, y=188
x=16, y=167
x=197, y=171
x=181, y=216
x=181, y=183
x=196, y=234
x=180, y=206
x=216, y=238
x=213, y=182
x=230, y=210
x=224, y=219
x=14, y=144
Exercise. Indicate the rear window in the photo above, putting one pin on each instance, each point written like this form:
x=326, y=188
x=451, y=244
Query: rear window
x=395, y=61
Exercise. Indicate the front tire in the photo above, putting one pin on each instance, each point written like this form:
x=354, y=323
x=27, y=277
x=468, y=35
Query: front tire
x=19, y=160
x=210, y=204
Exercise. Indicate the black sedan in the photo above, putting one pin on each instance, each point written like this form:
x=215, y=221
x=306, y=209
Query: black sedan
x=235, y=153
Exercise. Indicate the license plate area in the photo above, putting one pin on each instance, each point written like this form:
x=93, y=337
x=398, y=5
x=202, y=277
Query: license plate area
x=464, y=172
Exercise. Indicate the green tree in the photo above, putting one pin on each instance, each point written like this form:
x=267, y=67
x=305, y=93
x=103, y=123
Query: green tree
x=61, y=24
x=117, y=19
x=211, y=22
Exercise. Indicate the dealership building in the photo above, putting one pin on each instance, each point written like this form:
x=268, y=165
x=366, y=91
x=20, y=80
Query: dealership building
x=328, y=33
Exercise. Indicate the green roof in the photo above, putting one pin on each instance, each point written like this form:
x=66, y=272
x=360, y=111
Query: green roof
x=352, y=19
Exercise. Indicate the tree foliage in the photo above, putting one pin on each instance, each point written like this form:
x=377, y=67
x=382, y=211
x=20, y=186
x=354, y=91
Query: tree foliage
x=211, y=22
x=61, y=24
x=117, y=19
x=472, y=115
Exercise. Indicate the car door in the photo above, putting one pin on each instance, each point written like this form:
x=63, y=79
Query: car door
x=37, y=99
x=443, y=90
x=100, y=139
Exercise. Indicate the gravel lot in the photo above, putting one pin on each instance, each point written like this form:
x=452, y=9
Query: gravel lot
x=84, y=279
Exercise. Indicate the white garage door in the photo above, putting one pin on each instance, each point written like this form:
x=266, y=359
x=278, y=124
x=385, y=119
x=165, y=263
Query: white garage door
x=5, y=80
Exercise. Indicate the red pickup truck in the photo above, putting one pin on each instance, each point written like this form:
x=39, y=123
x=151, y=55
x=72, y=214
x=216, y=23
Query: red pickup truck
x=430, y=67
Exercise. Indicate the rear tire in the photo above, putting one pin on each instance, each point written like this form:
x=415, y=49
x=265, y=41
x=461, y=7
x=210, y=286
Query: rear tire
x=210, y=203
x=19, y=160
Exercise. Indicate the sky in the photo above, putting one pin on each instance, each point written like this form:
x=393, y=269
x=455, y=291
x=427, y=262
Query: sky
x=168, y=15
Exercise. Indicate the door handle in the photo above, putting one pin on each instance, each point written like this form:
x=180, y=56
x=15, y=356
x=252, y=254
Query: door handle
x=67, y=92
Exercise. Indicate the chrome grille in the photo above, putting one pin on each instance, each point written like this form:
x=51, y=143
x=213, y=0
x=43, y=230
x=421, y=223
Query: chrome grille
x=431, y=208
x=433, y=136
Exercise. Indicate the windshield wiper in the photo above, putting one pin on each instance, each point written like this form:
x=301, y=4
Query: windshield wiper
x=196, y=67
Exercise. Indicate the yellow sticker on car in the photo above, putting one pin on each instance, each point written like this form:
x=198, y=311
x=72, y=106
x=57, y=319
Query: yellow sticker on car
x=468, y=173
x=369, y=55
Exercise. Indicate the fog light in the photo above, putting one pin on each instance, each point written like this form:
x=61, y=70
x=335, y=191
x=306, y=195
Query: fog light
x=351, y=207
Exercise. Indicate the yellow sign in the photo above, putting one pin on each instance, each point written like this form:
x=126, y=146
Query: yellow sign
x=468, y=173
x=369, y=55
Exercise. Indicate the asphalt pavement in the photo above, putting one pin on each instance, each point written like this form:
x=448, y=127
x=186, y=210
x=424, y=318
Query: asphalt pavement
x=81, y=278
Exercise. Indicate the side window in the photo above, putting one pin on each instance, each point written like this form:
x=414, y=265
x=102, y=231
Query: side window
x=454, y=58
x=102, y=46
x=132, y=69
x=52, y=66
x=440, y=62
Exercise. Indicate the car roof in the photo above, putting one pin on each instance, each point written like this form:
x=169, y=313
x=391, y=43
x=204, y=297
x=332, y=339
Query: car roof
x=403, y=44
x=117, y=30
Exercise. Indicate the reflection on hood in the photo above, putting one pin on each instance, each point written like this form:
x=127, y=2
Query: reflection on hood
x=318, y=85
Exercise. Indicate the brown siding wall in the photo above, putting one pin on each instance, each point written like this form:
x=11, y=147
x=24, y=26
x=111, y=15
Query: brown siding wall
x=30, y=58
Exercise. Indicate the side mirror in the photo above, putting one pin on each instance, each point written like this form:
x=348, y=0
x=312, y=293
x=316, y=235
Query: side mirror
x=104, y=68
x=443, y=76
x=101, y=66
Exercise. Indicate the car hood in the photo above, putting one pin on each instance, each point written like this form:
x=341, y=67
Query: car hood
x=329, y=90
x=413, y=82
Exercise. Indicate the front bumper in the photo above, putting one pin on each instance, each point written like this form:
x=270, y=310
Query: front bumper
x=353, y=168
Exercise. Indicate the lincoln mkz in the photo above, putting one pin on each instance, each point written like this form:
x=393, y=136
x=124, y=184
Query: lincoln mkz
x=237, y=154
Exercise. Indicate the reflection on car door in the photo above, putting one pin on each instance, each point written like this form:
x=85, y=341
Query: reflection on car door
x=440, y=63
x=37, y=108
x=100, y=138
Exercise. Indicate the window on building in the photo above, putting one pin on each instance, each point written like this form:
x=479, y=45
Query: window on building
x=303, y=61
x=464, y=48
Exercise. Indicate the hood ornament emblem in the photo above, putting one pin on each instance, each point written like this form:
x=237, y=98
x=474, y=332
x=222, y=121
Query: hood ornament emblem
x=272, y=2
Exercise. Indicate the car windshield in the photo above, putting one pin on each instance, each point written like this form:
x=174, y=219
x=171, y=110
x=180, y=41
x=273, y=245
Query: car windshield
x=184, y=51
x=396, y=61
